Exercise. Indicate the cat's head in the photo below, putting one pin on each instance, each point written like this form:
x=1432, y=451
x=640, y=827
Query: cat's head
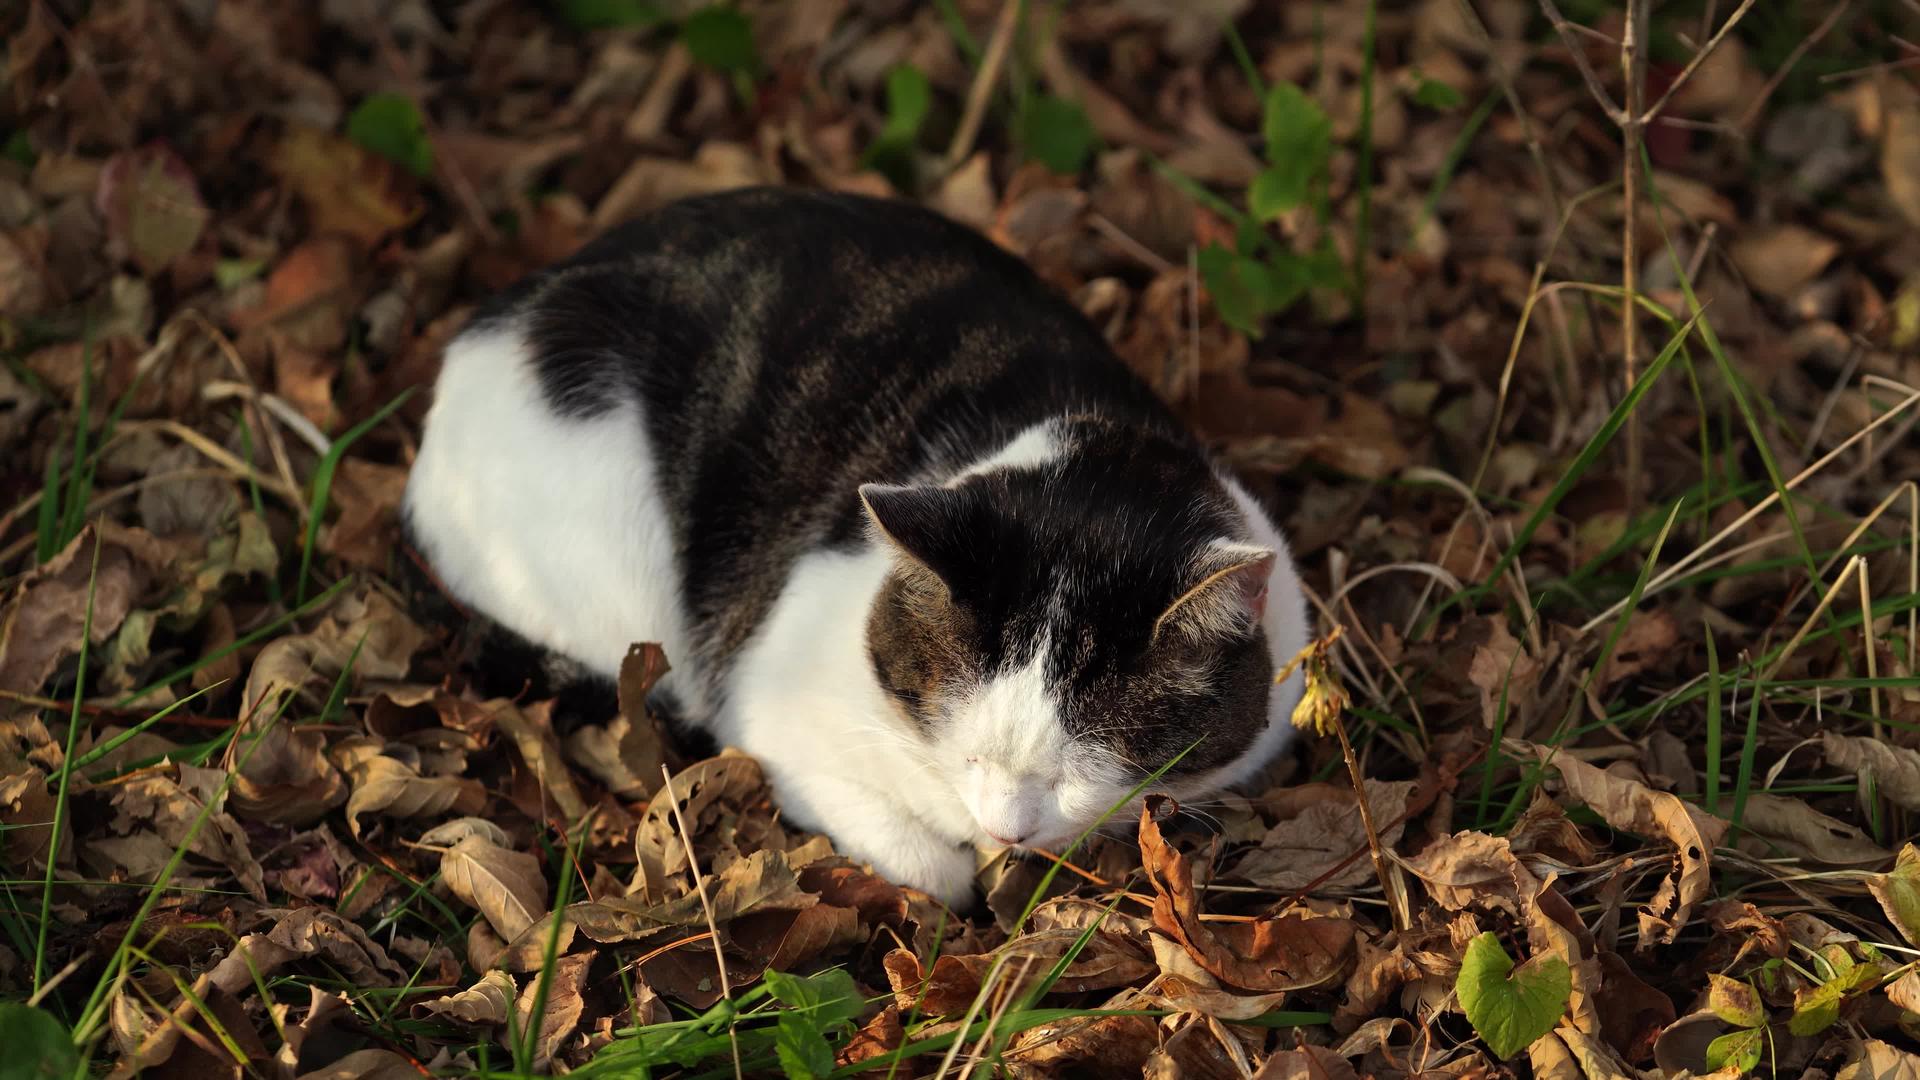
x=1059, y=627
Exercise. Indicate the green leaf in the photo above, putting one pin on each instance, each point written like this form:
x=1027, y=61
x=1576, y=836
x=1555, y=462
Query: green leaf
x=1818, y=1009
x=1434, y=94
x=1511, y=1008
x=721, y=37
x=1740, y=1049
x=909, y=99
x=38, y=1045
x=389, y=125
x=1298, y=145
x=230, y=273
x=601, y=14
x=1899, y=893
x=19, y=149
x=1734, y=1001
x=1056, y=133
x=1239, y=303
x=1276, y=190
x=830, y=996
x=803, y=1050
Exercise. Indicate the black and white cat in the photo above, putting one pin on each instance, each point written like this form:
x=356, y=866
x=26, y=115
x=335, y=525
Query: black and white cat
x=908, y=531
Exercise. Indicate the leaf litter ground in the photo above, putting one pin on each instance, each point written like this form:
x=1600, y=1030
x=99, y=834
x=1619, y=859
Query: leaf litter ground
x=1625, y=653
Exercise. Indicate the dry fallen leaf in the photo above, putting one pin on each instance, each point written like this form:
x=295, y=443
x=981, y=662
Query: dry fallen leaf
x=345, y=187
x=1779, y=259
x=504, y=885
x=1895, y=769
x=1472, y=868
x=1289, y=952
x=1634, y=807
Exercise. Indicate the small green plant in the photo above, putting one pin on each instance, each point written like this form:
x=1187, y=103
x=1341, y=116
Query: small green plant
x=909, y=99
x=1510, y=1008
x=1055, y=132
x=39, y=1047
x=390, y=125
x=1736, y=1002
x=19, y=150
x=1259, y=276
x=721, y=38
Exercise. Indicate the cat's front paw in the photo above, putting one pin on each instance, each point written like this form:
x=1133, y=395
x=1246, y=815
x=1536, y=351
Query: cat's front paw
x=923, y=860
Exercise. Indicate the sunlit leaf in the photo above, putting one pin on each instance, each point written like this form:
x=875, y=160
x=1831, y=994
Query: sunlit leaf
x=1509, y=1008
x=37, y=1044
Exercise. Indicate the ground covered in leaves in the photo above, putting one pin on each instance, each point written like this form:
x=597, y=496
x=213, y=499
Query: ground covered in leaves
x=1620, y=612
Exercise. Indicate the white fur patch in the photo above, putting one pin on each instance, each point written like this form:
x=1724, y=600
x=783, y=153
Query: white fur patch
x=551, y=527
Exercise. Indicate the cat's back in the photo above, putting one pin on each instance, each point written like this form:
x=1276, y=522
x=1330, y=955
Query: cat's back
x=647, y=436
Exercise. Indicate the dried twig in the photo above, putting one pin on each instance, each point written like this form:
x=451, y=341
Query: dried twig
x=984, y=81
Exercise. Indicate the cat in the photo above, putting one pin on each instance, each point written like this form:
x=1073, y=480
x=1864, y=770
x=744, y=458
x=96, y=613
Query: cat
x=907, y=529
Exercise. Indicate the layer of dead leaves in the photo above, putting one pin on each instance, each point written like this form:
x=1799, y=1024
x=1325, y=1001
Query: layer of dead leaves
x=373, y=832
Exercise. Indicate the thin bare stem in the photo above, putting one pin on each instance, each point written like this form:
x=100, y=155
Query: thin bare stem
x=1699, y=58
x=706, y=905
x=1759, y=102
x=1579, y=55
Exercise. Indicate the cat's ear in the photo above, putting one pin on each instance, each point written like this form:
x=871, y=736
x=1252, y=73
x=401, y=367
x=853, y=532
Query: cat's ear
x=926, y=523
x=1228, y=597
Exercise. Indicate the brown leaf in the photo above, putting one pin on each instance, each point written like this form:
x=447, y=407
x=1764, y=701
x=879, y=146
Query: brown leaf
x=1777, y=260
x=761, y=881
x=504, y=885
x=287, y=779
x=1895, y=769
x=1195, y=1052
x=387, y=785
x=881, y=1035
x=1881, y=1061
x=1648, y=640
x=1631, y=806
x=346, y=189
x=161, y=814
x=1377, y=974
x=1899, y=893
x=151, y=205
x=564, y=1006
x=40, y=626
x=26, y=819
x=532, y=732
x=1808, y=834
x=1472, y=868
x=1298, y=849
x=1504, y=671
x=1307, y=1063
x=362, y=626
x=1189, y=996
x=1900, y=156
x=704, y=791
x=1289, y=952
x=366, y=1065
x=945, y=991
x=1092, y=1046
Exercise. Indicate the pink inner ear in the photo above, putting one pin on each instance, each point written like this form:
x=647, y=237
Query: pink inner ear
x=1252, y=579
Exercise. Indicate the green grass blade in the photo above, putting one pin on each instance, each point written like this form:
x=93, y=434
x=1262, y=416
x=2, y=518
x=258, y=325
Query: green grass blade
x=66, y=777
x=109, y=746
x=1713, y=721
x=318, y=602
x=1749, y=749
x=323, y=485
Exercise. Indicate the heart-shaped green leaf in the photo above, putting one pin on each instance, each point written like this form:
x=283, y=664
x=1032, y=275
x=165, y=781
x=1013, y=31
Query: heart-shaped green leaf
x=390, y=125
x=1056, y=132
x=1509, y=1008
x=38, y=1044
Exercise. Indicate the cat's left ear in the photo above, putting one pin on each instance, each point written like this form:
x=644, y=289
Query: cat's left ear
x=1229, y=597
x=928, y=524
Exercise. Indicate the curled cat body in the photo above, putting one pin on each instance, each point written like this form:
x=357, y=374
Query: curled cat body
x=906, y=528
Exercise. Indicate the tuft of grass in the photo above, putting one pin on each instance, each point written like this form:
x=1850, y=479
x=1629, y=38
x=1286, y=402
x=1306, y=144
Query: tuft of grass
x=66, y=776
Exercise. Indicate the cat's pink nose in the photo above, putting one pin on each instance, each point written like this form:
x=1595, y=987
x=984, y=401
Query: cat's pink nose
x=1007, y=840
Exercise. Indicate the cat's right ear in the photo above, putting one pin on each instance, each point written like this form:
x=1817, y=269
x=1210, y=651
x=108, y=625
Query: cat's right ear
x=927, y=524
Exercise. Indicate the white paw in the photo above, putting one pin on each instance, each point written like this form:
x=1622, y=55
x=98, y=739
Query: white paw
x=924, y=861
